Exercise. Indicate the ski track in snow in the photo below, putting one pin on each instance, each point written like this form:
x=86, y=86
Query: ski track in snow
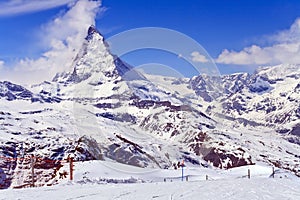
x=211, y=190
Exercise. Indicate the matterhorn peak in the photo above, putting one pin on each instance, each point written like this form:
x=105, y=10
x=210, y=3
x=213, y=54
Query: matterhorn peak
x=91, y=32
x=92, y=29
x=94, y=63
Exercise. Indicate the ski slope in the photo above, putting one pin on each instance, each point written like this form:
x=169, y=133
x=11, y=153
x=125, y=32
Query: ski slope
x=91, y=182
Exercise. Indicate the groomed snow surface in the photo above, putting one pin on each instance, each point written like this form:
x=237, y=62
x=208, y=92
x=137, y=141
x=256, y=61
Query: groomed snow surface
x=109, y=180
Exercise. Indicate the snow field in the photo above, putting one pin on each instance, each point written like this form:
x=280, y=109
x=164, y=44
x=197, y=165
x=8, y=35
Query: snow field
x=222, y=184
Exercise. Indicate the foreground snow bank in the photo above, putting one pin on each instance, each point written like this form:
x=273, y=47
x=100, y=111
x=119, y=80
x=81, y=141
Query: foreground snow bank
x=259, y=188
x=96, y=180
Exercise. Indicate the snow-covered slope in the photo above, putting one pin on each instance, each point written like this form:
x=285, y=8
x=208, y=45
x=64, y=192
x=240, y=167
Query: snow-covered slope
x=255, y=189
x=107, y=180
x=106, y=110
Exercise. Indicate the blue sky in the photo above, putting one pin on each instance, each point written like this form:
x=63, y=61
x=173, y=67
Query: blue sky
x=238, y=35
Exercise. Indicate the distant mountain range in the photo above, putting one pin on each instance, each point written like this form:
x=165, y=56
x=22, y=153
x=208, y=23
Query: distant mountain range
x=105, y=109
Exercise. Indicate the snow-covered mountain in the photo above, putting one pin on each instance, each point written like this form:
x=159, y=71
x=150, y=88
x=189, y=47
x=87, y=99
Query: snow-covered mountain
x=94, y=62
x=271, y=96
x=105, y=109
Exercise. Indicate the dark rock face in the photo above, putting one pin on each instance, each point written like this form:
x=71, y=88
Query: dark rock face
x=216, y=155
x=5, y=177
x=91, y=31
x=217, y=158
x=294, y=140
x=11, y=91
x=259, y=84
x=4, y=181
x=7, y=164
x=296, y=130
x=298, y=112
x=107, y=105
x=74, y=78
x=122, y=68
x=89, y=148
x=207, y=87
x=210, y=88
x=235, y=104
x=235, y=82
x=128, y=152
x=12, y=87
x=297, y=88
x=120, y=117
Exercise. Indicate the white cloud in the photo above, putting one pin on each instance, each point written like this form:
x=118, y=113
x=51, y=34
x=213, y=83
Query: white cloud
x=1, y=64
x=289, y=36
x=15, y=7
x=197, y=57
x=63, y=37
x=285, y=49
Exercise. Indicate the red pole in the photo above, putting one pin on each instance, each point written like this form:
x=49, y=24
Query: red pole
x=71, y=169
x=32, y=170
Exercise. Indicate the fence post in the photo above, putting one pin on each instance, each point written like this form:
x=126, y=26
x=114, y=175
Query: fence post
x=273, y=170
x=71, y=169
x=249, y=173
x=32, y=170
x=181, y=172
x=182, y=166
